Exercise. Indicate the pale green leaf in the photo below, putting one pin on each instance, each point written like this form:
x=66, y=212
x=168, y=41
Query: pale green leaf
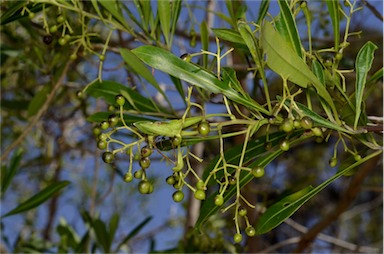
x=164, y=13
x=333, y=10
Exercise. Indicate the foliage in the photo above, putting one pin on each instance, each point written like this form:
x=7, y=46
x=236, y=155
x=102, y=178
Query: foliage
x=280, y=90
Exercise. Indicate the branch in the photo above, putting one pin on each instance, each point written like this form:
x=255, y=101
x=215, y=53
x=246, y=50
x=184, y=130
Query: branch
x=39, y=114
x=347, y=198
x=372, y=8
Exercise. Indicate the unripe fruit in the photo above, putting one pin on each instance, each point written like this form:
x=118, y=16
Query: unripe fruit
x=177, y=140
x=287, y=125
x=237, y=238
x=138, y=174
x=53, y=29
x=113, y=120
x=339, y=56
x=250, y=231
x=306, y=123
x=199, y=194
x=219, y=200
x=357, y=157
x=102, y=57
x=242, y=211
x=333, y=162
x=284, y=145
x=203, y=128
x=102, y=144
x=120, y=100
x=144, y=187
x=108, y=157
x=146, y=151
x=80, y=94
x=258, y=171
x=317, y=132
x=103, y=136
x=62, y=41
x=145, y=162
x=128, y=177
x=186, y=57
x=296, y=124
x=200, y=185
x=104, y=125
x=60, y=19
x=170, y=180
x=178, y=196
x=73, y=57
x=232, y=180
x=31, y=15
x=96, y=131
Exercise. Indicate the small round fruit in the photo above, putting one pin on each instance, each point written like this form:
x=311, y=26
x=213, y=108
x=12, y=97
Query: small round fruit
x=60, y=19
x=73, y=57
x=144, y=187
x=104, y=125
x=102, y=57
x=103, y=136
x=357, y=157
x=186, y=57
x=145, y=163
x=178, y=185
x=136, y=156
x=306, y=123
x=102, y=144
x=203, y=128
x=242, y=211
x=31, y=15
x=111, y=108
x=53, y=29
x=333, y=162
x=47, y=39
x=128, y=177
x=328, y=63
x=303, y=4
x=138, y=174
x=62, y=41
x=113, y=120
x=170, y=180
x=178, y=196
x=237, y=238
x=108, y=157
x=258, y=171
x=200, y=185
x=67, y=37
x=317, y=132
x=96, y=131
x=284, y=145
x=199, y=194
x=250, y=231
x=287, y=125
x=146, y=151
x=219, y=200
x=296, y=124
x=268, y=146
x=339, y=56
x=232, y=180
x=120, y=100
x=177, y=140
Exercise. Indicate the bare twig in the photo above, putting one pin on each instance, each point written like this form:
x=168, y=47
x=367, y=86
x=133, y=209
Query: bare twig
x=39, y=114
x=373, y=10
x=349, y=195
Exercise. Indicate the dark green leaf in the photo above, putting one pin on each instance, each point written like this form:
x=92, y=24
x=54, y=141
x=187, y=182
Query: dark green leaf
x=363, y=64
x=113, y=225
x=38, y=100
x=134, y=232
x=164, y=13
x=204, y=41
x=333, y=10
x=263, y=9
x=102, y=236
x=179, y=87
x=165, y=61
x=228, y=35
x=7, y=173
x=67, y=234
x=38, y=198
x=318, y=70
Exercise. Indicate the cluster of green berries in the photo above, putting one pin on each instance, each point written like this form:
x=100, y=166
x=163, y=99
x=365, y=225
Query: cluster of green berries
x=249, y=230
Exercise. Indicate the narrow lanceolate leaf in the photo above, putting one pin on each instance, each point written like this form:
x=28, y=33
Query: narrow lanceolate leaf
x=228, y=35
x=284, y=61
x=284, y=208
x=164, y=12
x=111, y=7
x=363, y=64
x=38, y=199
x=165, y=61
x=138, y=66
x=7, y=173
x=289, y=27
x=263, y=9
x=333, y=10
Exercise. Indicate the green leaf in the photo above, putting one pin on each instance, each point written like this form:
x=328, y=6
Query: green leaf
x=7, y=173
x=134, y=232
x=113, y=225
x=318, y=70
x=67, y=234
x=263, y=9
x=14, y=12
x=284, y=61
x=112, y=7
x=164, y=13
x=228, y=35
x=204, y=41
x=333, y=10
x=179, y=87
x=284, y=208
x=38, y=100
x=102, y=236
x=176, y=8
x=363, y=64
x=38, y=198
x=165, y=61
x=289, y=27
x=139, y=68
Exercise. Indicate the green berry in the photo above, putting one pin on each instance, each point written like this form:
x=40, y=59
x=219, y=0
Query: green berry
x=203, y=128
x=178, y=185
x=145, y=162
x=60, y=19
x=177, y=140
x=96, y=131
x=67, y=37
x=296, y=124
x=317, y=132
x=303, y=4
x=287, y=125
x=146, y=151
x=144, y=187
x=339, y=56
x=242, y=211
x=108, y=157
x=333, y=162
x=284, y=145
x=232, y=180
x=186, y=57
x=328, y=63
x=102, y=144
x=53, y=29
x=103, y=136
x=120, y=100
x=306, y=123
x=111, y=108
x=31, y=15
x=80, y=94
x=104, y=125
x=102, y=57
x=170, y=180
x=138, y=174
x=128, y=177
x=237, y=238
x=200, y=185
x=258, y=171
x=199, y=194
x=62, y=41
x=73, y=57
x=219, y=200
x=113, y=120
x=250, y=231
x=178, y=196
x=357, y=157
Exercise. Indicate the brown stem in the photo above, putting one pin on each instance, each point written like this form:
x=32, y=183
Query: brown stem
x=348, y=197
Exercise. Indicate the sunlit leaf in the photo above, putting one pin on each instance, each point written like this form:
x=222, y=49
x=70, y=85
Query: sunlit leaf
x=334, y=13
x=38, y=198
x=228, y=35
x=363, y=64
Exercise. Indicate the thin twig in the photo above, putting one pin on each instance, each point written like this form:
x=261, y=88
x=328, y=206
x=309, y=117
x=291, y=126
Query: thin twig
x=39, y=114
x=372, y=8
